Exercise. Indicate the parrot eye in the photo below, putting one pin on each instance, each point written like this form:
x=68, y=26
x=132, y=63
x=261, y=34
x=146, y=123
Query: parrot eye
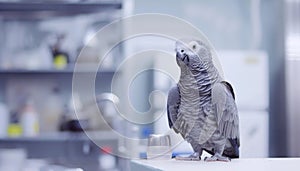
x=194, y=47
x=182, y=50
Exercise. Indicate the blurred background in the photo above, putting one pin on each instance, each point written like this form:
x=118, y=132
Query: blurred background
x=257, y=42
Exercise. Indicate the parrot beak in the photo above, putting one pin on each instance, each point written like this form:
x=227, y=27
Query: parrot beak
x=182, y=56
x=178, y=55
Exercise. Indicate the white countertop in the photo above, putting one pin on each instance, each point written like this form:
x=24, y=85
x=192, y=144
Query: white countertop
x=265, y=164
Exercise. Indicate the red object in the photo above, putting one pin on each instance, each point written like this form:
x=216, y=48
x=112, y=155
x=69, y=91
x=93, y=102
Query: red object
x=106, y=149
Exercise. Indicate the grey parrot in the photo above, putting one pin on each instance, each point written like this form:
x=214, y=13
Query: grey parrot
x=201, y=107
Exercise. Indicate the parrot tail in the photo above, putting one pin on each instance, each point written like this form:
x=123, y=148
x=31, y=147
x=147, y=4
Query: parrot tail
x=232, y=152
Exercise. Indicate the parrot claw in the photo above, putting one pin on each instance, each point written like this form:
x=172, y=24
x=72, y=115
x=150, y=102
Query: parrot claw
x=192, y=157
x=217, y=157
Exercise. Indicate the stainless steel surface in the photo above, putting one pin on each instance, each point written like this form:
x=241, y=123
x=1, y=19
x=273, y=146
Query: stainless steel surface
x=292, y=44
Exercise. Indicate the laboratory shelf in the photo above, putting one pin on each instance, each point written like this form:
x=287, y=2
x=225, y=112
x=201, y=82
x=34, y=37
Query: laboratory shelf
x=68, y=146
x=59, y=6
x=63, y=136
x=89, y=69
x=44, y=9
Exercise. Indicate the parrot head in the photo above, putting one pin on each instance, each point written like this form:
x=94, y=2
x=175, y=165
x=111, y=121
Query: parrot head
x=193, y=55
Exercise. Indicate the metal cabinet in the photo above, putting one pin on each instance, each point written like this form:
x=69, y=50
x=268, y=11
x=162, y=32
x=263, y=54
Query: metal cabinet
x=26, y=70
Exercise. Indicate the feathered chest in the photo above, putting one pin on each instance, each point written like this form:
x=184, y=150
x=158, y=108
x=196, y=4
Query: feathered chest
x=195, y=88
x=195, y=108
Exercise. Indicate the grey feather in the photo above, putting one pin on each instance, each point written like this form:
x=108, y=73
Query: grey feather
x=173, y=105
x=225, y=110
x=201, y=107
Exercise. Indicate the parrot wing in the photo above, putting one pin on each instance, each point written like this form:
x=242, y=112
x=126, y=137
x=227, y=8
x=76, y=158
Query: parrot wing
x=173, y=105
x=225, y=110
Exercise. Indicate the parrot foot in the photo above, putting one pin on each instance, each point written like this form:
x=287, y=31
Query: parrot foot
x=192, y=157
x=217, y=157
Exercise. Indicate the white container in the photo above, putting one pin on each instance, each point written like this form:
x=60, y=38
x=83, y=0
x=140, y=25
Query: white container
x=29, y=121
x=4, y=120
x=159, y=147
x=12, y=159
